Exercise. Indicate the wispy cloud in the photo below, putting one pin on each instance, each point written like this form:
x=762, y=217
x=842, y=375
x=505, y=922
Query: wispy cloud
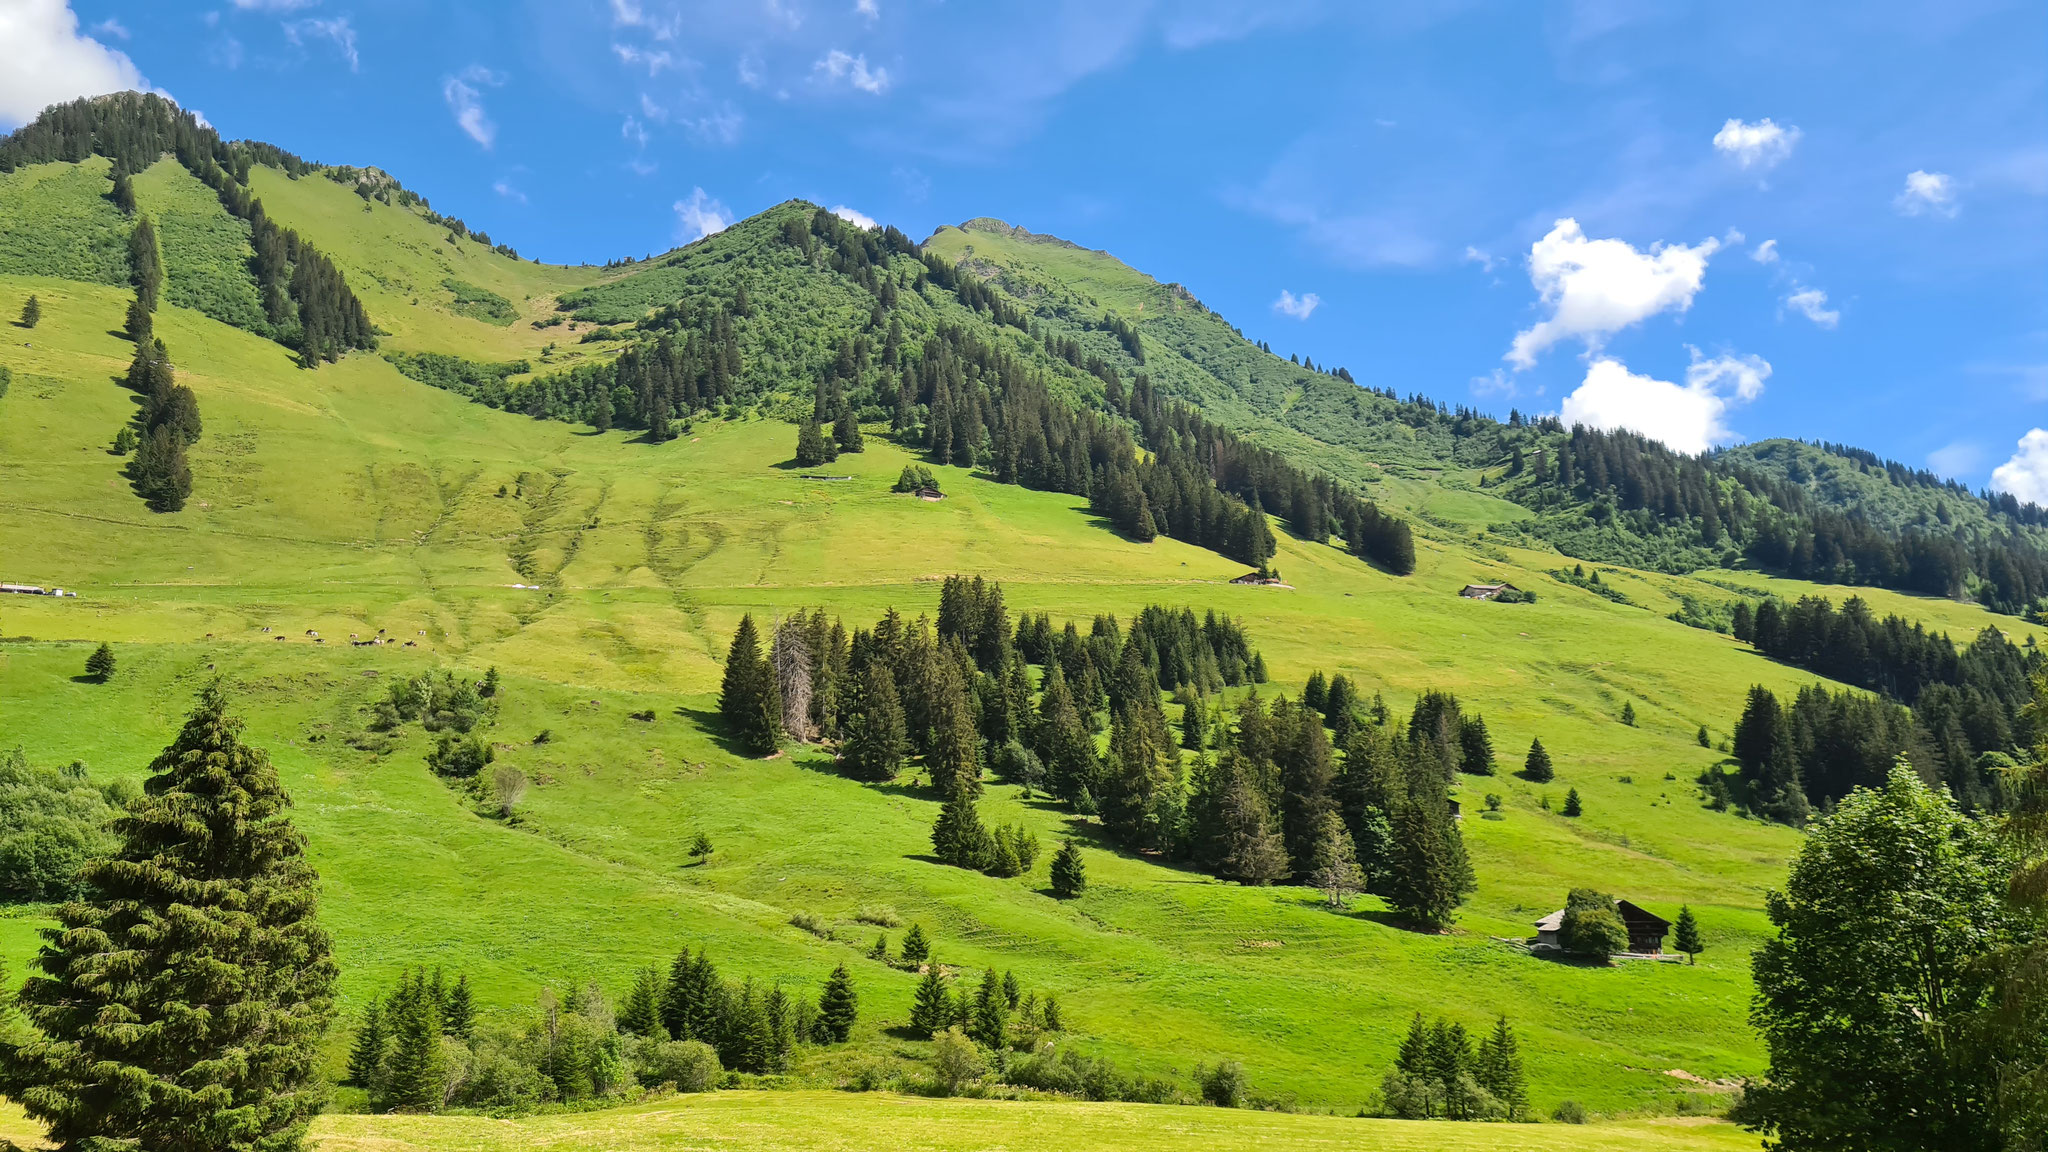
x=111, y=27
x=505, y=189
x=1927, y=194
x=274, y=5
x=1812, y=303
x=466, y=101
x=700, y=216
x=1487, y=261
x=836, y=66
x=1960, y=458
x=1765, y=253
x=1300, y=307
x=338, y=30
x=869, y=9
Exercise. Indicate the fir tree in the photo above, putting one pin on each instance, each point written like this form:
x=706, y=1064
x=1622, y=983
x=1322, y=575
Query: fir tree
x=1069, y=872
x=1572, y=807
x=641, y=1012
x=749, y=699
x=810, y=446
x=1334, y=865
x=700, y=847
x=210, y=1035
x=990, y=1026
x=931, y=1009
x=162, y=477
x=366, y=1053
x=874, y=742
x=1475, y=746
x=100, y=665
x=1011, y=989
x=1499, y=1069
x=1194, y=723
x=31, y=312
x=915, y=947
x=458, y=1010
x=838, y=1005
x=958, y=837
x=846, y=433
x=1628, y=713
x=1686, y=936
x=1537, y=767
x=1704, y=739
x=414, y=1071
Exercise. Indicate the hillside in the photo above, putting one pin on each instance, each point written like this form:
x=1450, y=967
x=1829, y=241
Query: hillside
x=547, y=524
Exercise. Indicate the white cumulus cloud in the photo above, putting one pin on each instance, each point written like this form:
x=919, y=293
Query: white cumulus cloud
x=44, y=60
x=1689, y=417
x=467, y=102
x=1927, y=194
x=1764, y=144
x=854, y=217
x=1596, y=288
x=2026, y=474
x=837, y=65
x=1300, y=307
x=1812, y=303
x=700, y=216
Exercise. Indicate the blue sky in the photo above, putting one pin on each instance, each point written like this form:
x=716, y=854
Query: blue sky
x=1711, y=222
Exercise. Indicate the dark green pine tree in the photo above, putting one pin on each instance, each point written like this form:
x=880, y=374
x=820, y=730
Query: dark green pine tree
x=838, y=1005
x=1413, y=1057
x=1704, y=739
x=1194, y=723
x=1431, y=874
x=1537, y=767
x=366, y=1054
x=458, y=1010
x=1572, y=807
x=1069, y=872
x=958, y=835
x=124, y=192
x=990, y=1025
x=1012, y=991
x=810, y=445
x=875, y=738
x=181, y=1005
x=846, y=433
x=100, y=665
x=915, y=947
x=1499, y=1069
x=413, y=1070
x=749, y=699
x=1476, y=746
x=1628, y=713
x=641, y=1012
x=931, y=1010
x=159, y=470
x=31, y=312
x=145, y=262
x=1686, y=936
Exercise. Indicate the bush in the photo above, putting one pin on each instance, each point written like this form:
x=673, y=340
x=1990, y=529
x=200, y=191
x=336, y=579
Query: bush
x=915, y=476
x=690, y=1065
x=880, y=915
x=1225, y=1085
x=813, y=923
x=52, y=823
x=460, y=757
x=1593, y=932
x=1569, y=1112
x=955, y=1061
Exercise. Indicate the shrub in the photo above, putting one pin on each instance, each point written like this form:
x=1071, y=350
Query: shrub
x=460, y=757
x=1594, y=932
x=880, y=915
x=52, y=822
x=508, y=788
x=1569, y=1112
x=690, y=1065
x=915, y=476
x=813, y=923
x=1225, y=1085
x=955, y=1061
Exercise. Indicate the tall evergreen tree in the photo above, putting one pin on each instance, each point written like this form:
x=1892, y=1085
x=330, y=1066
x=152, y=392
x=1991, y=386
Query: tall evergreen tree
x=640, y=1014
x=366, y=1052
x=748, y=697
x=1685, y=935
x=916, y=948
x=958, y=836
x=838, y=1006
x=181, y=1005
x=874, y=742
x=1537, y=766
x=458, y=1010
x=811, y=449
x=414, y=1072
x=990, y=1025
x=31, y=312
x=100, y=665
x=1476, y=746
x=1069, y=872
x=931, y=1008
x=1499, y=1069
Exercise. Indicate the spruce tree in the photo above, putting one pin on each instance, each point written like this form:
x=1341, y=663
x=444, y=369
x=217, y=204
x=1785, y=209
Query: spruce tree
x=838, y=1005
x=1069, y=872
x=1475, y=746
x=810, y=445
x=931, y=1010
x=366, y=1053
x=1012, y=991
x=31, y=313
x=1572, y=807
x=958, y=836
x=846, y=433
x=1194, y=726
x=915, y=947
x=990, y=1026
x=1628, y=713
x=1499, y=1069
x=458, y=1010
x=874, y=743
x=641, y=1012
x=181, y=1005
x=1686, y=936
x=414, y=1071
x=749, y=698
x=1537, y=767
x=100, y=665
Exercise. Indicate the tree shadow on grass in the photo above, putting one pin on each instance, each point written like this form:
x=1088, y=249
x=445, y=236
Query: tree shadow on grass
x=713, y=725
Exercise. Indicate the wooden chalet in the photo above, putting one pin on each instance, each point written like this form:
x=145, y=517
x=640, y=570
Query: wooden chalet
x=1646, y=930
x=1486, y=591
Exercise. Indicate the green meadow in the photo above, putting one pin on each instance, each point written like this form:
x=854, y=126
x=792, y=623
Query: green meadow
x=603, y=577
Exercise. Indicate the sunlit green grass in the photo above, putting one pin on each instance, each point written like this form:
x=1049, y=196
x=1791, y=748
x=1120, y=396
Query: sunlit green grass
x=350, y=500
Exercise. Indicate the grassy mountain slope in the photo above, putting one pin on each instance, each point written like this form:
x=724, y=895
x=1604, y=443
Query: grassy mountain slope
x=352, y=500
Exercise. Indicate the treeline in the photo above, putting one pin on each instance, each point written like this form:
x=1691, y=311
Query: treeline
x=1718, y=503
x=423, y=1047
x=306, y=299
x=1961, y=705
x=1266, y=797
x=168, y=421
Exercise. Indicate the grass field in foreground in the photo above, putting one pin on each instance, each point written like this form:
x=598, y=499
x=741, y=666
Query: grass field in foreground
x=349, y=499
x=813, y=1121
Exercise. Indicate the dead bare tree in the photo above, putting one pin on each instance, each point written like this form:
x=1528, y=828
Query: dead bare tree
x=791, y=658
